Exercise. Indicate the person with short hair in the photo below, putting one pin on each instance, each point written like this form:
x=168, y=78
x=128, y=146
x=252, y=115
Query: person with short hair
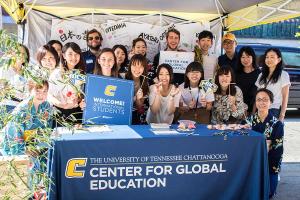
x=230, y=58
x=263, y=121
x=195, y=104
x=229, y=106
x=47, y=58
x=94, y=40
x=31, y=114
x=202, y=55
x=173, y=40
x=26, y=133
x=275, y=79
x=164, y=97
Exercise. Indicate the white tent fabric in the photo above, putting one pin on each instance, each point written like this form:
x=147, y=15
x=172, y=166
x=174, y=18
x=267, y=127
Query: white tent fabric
x=188, y=6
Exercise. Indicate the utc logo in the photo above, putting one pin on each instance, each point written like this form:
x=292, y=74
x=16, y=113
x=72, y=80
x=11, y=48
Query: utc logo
x=110, y=90
x=73, y=167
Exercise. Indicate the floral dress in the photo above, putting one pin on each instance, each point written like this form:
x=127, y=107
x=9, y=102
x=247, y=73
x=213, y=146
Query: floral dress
x=222, y=112
x=25, y=122
x=273, y=129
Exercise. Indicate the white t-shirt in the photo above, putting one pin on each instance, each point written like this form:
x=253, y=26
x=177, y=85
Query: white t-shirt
x=162, y=116
x=276, y=88
x=63, y=91
x=209, y=65
x=17, y=81
x=187, y=95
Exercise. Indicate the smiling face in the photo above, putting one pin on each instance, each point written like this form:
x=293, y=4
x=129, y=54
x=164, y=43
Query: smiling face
x=272, y=59
x=246, y=60
x=225, y=80
x=164, y=76
x=48, y=61
x=106, y=61
x=262, y=101
x=120, y=55
x=72, y=58
x=229, y=46
x=94, y=41
x=205, y=44
x=40, y=94
x=194, y=77
x=140, y=48
x=137, y=69
x=173, y=41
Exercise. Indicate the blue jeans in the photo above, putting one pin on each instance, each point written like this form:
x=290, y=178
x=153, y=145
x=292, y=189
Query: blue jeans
x=273, y=184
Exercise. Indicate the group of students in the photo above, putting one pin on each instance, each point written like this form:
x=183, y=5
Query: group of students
x=244, y=91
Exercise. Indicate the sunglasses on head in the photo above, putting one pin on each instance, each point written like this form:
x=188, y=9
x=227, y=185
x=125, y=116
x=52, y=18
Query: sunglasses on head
x=96, y=38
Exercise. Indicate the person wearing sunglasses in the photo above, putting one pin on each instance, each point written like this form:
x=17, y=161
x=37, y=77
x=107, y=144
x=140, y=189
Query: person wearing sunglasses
x=94, y=40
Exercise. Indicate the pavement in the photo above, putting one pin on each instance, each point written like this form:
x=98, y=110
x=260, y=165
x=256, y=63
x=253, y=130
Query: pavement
x=289, y=184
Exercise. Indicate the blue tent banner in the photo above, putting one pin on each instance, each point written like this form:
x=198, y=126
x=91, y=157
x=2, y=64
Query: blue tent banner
x=108, y=100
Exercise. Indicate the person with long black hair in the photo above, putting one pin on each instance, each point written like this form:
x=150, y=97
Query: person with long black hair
x=138, y=72
x=122, y=59
x=66, y=81
x=246, y=76
x=275, y=79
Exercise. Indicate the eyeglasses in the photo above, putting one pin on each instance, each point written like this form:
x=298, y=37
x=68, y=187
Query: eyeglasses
x=262, y=100
x=228, y=42
x=96, y=38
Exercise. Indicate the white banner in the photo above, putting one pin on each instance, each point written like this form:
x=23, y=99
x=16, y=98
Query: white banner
x=70, y=31
x=178, y=60
x=116, y=33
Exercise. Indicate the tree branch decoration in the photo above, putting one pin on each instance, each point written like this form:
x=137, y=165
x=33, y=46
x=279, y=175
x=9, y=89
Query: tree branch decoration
x=14, y=181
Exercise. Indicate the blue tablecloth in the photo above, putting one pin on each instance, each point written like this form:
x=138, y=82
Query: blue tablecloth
x=148, y=166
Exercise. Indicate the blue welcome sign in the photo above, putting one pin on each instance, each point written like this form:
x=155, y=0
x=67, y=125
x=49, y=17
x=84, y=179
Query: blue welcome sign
x=108, y=100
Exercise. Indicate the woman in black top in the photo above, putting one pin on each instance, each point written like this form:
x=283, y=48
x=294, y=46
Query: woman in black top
x=247, y=73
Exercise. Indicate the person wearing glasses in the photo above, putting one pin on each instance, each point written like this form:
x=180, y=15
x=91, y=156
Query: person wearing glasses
x=230, y=57
x=94, y=40
x=263, y=121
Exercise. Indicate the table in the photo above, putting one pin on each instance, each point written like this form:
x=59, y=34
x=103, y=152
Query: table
x=134, y=163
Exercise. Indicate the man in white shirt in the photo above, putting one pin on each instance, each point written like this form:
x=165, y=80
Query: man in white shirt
x=209, y=61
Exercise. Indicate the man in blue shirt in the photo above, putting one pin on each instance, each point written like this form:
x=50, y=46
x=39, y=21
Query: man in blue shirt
x=94, y=40
x=230, y=57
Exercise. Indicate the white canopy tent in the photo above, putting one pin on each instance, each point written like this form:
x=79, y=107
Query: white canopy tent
x=227, y=14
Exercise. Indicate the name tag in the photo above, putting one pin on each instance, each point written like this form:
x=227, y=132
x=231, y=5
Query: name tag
x=89, y=61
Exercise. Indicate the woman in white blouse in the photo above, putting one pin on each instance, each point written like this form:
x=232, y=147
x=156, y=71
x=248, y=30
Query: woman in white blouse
x=164, y=97
x=66, y=82
x=276, y=80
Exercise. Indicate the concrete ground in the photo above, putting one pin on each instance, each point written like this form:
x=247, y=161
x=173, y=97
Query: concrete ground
x=289, y=184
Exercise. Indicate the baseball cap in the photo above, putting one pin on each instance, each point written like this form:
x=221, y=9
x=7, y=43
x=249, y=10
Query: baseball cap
x=229, y=36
